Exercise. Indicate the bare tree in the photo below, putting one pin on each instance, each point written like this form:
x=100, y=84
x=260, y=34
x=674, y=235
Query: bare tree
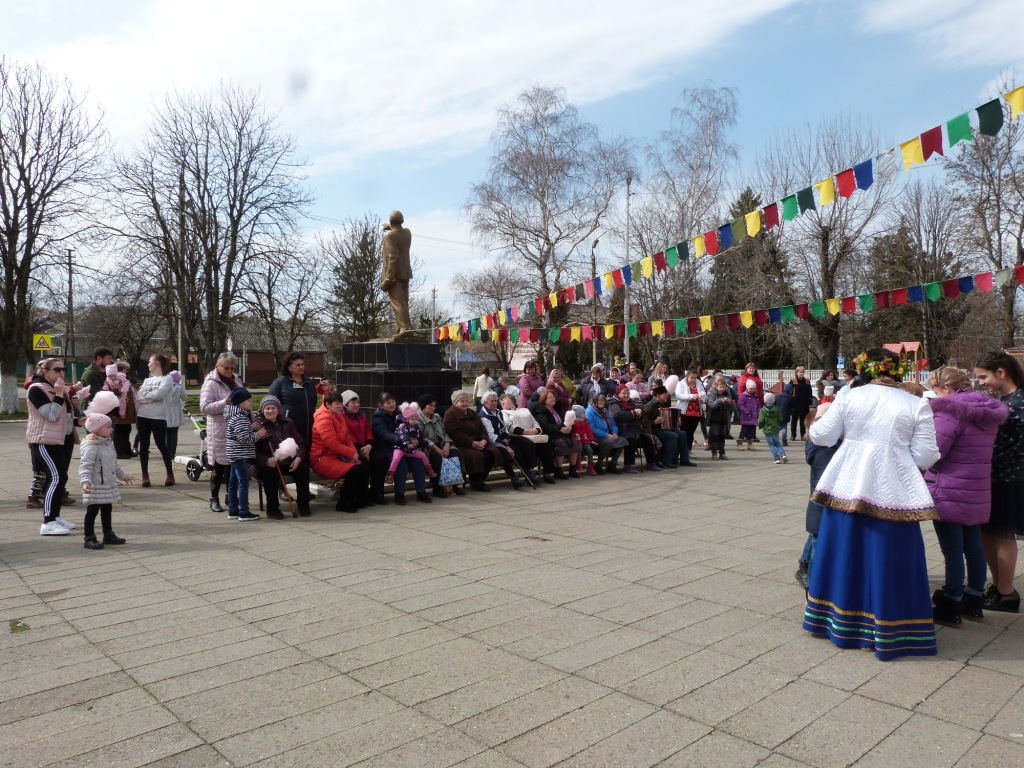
x=207, y=198
x=360, y=310
x=493, y=289
x=50, y=151
x=549, y=187
x=124, y=315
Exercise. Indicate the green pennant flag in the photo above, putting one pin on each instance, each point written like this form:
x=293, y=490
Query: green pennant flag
x=474, y=332
x=933, y=291
x=866, y=301
x=631, y=330
x=553, y=335
x=513, y=335
x=789, y=208
x=739, y=230
x=671, y=256
x=684, y=249
x=636, y=268
x=531, y=310
x=788, y=313
x=581, y=292
x=805, y=198
x=959, y=129
x=817, y=308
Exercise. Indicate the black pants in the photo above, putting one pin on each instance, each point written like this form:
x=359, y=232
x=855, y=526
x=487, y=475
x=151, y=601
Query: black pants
x=797, y=418
x=272, y=483
x=689, y=425
x=219, y=474
x=105, y=511
x=172, y=442
x=526, y=452
x=51, y=462
x=436, y=458
x=123, y=441
x=158, y=429
x=353, y=490
x=644, y=441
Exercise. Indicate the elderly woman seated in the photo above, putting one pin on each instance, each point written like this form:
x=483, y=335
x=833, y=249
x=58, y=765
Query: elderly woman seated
x=516, y=448
x=565, y=444
x=520, y=423
x=479, y=454
x=439, y=443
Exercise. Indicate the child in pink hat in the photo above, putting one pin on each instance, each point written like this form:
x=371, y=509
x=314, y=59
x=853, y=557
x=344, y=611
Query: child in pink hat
x=411, y=435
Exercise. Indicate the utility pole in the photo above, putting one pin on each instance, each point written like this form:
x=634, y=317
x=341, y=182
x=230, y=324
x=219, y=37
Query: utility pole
x=71, y=321
x=182, y=356
x=433, y=307
x=593, y=275
x=625, y=288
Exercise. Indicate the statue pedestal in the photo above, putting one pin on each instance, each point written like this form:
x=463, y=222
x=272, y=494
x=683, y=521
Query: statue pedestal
x=405, y=369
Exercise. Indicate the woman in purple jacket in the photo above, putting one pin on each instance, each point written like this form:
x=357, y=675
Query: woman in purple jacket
x=960, y=482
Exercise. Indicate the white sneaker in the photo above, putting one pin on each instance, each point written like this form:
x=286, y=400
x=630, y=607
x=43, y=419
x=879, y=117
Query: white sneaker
x=778, y=461
x=53, y=529
x=785, y=459
x=66, y=523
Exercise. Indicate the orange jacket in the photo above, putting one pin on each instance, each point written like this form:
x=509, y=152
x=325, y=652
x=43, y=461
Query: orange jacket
x=330, y=435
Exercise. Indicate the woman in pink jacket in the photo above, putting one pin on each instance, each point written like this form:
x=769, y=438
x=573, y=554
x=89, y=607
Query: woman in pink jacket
x=960, y=482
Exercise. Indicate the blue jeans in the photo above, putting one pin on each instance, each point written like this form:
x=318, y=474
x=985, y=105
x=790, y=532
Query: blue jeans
x=775, y=445
x=959, y=543
x=238, y=486
x=419, y=476
x=807, y=556
x=674, y=442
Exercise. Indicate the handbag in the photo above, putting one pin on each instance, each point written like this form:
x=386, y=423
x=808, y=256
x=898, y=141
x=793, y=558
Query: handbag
x=451, y=471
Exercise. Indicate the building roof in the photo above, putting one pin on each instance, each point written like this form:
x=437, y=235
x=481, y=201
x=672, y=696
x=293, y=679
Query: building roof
x=252, y=335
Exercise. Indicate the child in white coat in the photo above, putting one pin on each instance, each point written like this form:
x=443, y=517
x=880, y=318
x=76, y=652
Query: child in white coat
x=99, y=471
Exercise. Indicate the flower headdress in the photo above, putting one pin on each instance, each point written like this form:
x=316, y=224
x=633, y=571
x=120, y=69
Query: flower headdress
x=876, y=368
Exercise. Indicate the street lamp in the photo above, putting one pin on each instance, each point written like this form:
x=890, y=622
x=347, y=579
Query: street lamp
x=593, y=275
x=625, y=288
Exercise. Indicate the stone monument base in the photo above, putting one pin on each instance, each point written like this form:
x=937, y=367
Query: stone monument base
x=405, y=369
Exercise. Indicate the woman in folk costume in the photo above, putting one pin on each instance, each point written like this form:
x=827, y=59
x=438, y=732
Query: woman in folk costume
x=869, y=585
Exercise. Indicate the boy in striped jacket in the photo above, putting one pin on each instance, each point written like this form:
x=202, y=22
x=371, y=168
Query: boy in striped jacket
x=240, y=446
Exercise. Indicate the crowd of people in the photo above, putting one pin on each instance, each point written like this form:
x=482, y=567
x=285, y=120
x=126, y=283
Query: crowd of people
x=882, y=458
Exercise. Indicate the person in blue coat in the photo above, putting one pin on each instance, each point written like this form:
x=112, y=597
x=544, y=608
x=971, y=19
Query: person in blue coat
x=606, y=432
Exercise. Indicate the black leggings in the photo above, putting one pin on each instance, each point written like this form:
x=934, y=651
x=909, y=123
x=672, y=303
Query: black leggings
x=689, y=425
x=157, y=428
x=104, y=511
x=797, y=419
x=219, y=473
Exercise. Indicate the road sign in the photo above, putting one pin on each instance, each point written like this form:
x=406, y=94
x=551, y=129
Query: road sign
x=42, y=342
x=841, y=362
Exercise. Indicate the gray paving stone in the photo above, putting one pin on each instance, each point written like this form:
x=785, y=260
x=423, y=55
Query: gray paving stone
x=775, y=718
x=729, y=694
x=990, y=751
x=921, y=741
x=972, y=697
x=489, y=692
x=680, y=677
x=717, y=750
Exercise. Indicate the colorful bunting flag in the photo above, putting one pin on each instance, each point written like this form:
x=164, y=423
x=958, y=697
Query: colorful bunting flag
x=959, y=129
x=826, y=191
x=609, y=331
x=931, y=142
x=513, y=336
x=866, y=302
x=631, y=331
x=657, y=328
x=705, y=323
x=670, y=327
x=885, y=164
x=698, y=246
x=576, y=334
x=684, y=249
x=733, y=319
x=1015, y=99
x=818, y=309
x=848, y=304
x=803, y=311
x=627, y=274
x=833, y=306
x=693, y=325
x=965, y=284
x=933, y=291
x=790, y=209
x=753, y=222
x=746, y=318
x=899, y=297
x=788, y=313
x=1002, y=277
x=771, y=216
x=739, y=230
x=847, y=182
x=912, y=152
x=724, y=237
x=915, y=294
x=720, y=322
x=951, y=288
x=667, y=259
x=711, y=241
x=609, y=280
x=774, y=315
x=805, y=199
x=990, y=117
x=882, y=299
x=862, y=172
x=617, y=278
x=984, y=280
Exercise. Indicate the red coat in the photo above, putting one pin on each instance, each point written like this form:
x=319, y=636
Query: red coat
x=581, y=428
x=330, y=442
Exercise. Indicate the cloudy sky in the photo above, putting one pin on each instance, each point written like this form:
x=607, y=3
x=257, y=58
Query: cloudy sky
x=393, y=103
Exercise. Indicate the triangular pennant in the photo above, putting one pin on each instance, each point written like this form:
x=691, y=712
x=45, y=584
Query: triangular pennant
x=984, y=279
x=771, y=216
x=826, y=191
x=933, y=291
x=959, y=129
x=864, y=175
x=912, y=152
x=833, y=306
x=805, y=199
x=746, y=318
x=931, y=142
x=847, y=183
x=753, y=221
x=1015, y=99
x=990, y=117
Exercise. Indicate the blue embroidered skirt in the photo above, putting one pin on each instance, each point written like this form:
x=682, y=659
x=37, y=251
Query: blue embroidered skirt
x=869, y=586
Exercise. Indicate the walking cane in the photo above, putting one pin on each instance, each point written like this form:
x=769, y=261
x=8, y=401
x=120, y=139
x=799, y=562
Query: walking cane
x=280, y=474
x=525, y=475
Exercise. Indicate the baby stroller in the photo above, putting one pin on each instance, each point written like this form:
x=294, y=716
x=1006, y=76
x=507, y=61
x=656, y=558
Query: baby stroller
x=196, y=465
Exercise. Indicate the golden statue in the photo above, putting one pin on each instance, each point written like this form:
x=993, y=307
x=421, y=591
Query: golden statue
x=397, y=271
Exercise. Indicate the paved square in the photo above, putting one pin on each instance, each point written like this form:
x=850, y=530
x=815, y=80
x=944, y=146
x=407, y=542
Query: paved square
x=609, y=621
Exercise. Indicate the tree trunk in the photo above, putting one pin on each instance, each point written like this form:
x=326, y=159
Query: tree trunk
x=9, y=384
x=1009, y=316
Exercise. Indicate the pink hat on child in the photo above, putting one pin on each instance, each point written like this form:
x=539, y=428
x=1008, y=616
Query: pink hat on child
x=751, y=384
x=112, y=369
x=409, y=410
x=96, y=421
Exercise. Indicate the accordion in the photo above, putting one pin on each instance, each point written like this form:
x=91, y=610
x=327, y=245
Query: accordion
x=670, y=418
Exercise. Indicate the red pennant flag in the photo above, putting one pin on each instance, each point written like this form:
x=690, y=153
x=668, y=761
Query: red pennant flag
x=503, y=335
x=620, y=331
x=670, y=327
x=734, y=320
x=711, y=242
x=546, y=301
x=984, y=282
x=565, y=334
x=660, y=263
x=617, y=278
x=494, y=319
x=589, y=288
x=539, y=306
x=563, y=297
x=643, y=329
x=899, y=297
x=693, y=325
x=882, y=299
x=587, y=333
x=847, y=183
x=771, y=216
x=931, y=141
x=534, y=335
x=803, y=311
x=1018, y=272
x=719, y=321
x=951, y=288
x=849, y=304
x=570, y=294
x=761, y=316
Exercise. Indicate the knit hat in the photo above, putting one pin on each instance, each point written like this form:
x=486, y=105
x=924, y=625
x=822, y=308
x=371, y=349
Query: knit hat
x=270, y=400
x=457, y=395
x=104, y=402
x=94, y=422
x=620, y=389
x=659, y=391
x=751, y=384
x=240, y=394
x=348, y=396
x=769, y=398
x=578, y=410
x=111, y=369
x=175, y=376
x=409, y=410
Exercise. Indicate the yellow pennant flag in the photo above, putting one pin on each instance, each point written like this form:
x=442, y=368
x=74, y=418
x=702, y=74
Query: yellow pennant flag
x=832, y=305
x=698, y=246
x=705, y=322
x=608, y=281
x=453, y=332
x=485, y=321
x=502, y=317
x=827, y=190
x=609, y=331
x=657, y=328
x=753, y=222
x=553, y=298
x=913, y=153
x=575, y=333
x=647, y=266
x=1015, y=99
x=747, y=318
